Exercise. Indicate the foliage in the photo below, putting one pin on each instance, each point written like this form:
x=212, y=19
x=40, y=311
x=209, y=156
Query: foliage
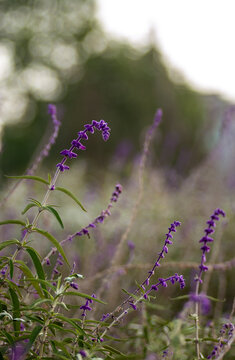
x=45, y=315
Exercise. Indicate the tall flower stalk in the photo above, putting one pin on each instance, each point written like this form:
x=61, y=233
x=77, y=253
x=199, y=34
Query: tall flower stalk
x=205, y=240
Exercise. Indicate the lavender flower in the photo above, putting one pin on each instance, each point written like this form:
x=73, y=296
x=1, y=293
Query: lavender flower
x=161, y=255
x=226, y=334
x=103, y=215
x=83, y=353
x=207, y=239
x=86, y=306
x=203, y=300
x=82, y=135
x=74, y=285
x=163, y=282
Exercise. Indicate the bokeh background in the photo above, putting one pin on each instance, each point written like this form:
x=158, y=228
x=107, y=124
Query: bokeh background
x=58, y=51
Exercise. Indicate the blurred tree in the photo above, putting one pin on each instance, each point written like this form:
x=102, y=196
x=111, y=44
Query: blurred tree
x=43, y=44
x=59, y=53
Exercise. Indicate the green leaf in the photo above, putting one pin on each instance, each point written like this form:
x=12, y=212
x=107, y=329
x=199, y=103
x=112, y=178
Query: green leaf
x=55, y=213
x=10, y=339
x=49, y=178
x=17, y=222
x=11, y=266
x=53, y=241
x=29, y=206
x=71, y=322
x=60, y=345
x=46, y=282
x=182, y=297
x=73, y=293
x=130, y=294
x=33, y=336
x=26, y=270
x=39, y=302
x=214, y=299
x=67, y=192
x=36, y=202
x=113, y=350
x=29, y=177
x=9, y=242
x=16, y=311
x=38, y=266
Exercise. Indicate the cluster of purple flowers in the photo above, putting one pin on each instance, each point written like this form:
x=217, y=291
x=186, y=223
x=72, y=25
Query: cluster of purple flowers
x=228, y=329
x=104, y=213
x=207, y=239
x=86, y=306
x=163, y=282
x=82, y=135
x=168, y=241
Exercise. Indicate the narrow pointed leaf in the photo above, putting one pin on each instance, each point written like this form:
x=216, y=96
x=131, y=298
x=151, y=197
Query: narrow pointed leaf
x=29, y=206
x=86, y=296
x=46, y=282
x=53, y=241
x=16, y=311
x=11, y=266
x=67, y=192
x=33, y=336
x=17, y=222
x=70, y=321
x=36, y=202
x=56, y=214
x=113, y=350
x=27, y=272
x=38, y=266
x=29, y=177
x=8, y=242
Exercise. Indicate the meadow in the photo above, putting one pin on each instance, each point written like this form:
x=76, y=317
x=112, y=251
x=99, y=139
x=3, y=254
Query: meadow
x=130, y=262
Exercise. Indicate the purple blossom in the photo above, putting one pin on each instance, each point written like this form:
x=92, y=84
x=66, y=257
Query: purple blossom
x=203, y=300
x=206, y=239
x=171, y=229
x=68, y=153
x=226, y=333
x=86, y=306
x=105, y=213
x=105, y=316
x=74, y=285
x=83, y=353
x=82, y=135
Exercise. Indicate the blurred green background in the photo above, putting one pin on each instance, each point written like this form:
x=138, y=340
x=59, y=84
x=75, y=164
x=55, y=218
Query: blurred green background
x=57, y=52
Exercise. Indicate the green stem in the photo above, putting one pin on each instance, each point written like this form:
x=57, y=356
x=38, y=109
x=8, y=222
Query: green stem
x=197, y=322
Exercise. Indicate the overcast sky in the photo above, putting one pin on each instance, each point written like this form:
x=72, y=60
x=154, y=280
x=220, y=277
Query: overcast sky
x=195, y=36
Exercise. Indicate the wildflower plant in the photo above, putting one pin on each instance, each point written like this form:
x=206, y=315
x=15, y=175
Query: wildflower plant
x=45, y=315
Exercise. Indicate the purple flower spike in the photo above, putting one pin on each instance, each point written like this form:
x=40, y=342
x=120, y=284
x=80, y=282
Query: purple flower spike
x=82, y=135
x=163, y=282
x=161, y=255
x=206, y=239
x=226, y=335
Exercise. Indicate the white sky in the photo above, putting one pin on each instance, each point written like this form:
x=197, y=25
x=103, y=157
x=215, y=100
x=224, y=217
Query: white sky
x=196, y=37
